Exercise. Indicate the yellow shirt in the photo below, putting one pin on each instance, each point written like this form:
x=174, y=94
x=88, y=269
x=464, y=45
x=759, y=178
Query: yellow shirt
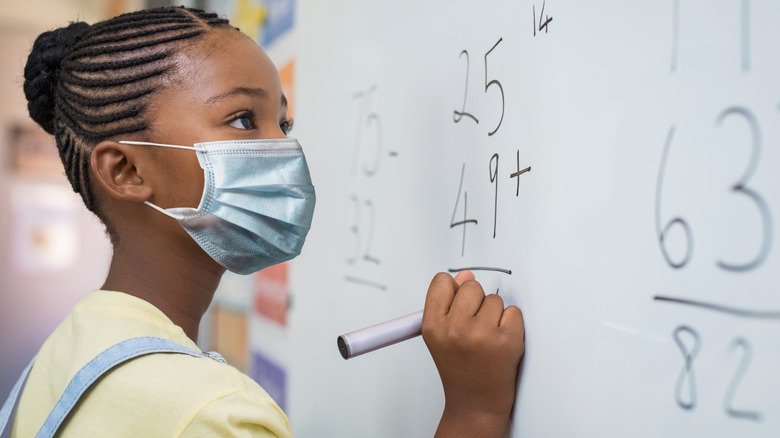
x=157, y=395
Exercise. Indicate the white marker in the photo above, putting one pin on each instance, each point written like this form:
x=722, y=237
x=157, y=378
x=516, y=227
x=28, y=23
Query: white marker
x=381, y=335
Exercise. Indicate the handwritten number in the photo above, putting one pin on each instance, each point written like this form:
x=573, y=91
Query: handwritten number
x=494, y=82
x=663, y=231
x=494, y=179
x=742, y=188
x=687, y=374
x=373, y=118
x=465, y=221
x=675, y=34
x=747, y=354
x=547, y=19
x=458, y=115
x=371, y=226
x=745, y=44
x=355, y=229
x=366, y=118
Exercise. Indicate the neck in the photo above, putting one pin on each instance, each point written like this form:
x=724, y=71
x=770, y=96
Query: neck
x=181, y=283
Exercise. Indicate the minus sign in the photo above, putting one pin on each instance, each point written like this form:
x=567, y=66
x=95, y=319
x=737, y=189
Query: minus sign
x=481, y=268
x=364, y=282
x=393, y=153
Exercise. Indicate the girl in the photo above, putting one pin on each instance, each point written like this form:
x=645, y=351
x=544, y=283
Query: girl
x=172, y=126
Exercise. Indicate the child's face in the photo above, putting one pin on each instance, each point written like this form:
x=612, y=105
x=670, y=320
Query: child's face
x=226, y=89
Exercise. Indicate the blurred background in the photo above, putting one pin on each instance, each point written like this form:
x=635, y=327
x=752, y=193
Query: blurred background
x=53, y=251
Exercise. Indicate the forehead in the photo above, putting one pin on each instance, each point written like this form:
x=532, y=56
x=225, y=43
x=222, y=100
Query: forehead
x=222, y=60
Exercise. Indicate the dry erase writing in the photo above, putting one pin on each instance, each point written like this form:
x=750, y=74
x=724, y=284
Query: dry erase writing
x=368, y=155
x=686, y=390
x=542, y=21
x=684, y=242
x=462, y=219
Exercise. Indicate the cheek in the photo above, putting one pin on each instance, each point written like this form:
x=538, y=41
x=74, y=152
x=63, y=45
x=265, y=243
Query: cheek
x=184, y=181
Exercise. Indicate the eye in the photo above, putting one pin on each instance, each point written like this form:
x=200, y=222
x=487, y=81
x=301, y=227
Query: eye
x=244, y=120
x=286, y=125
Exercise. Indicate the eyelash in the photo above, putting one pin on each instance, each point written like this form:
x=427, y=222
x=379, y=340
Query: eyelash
x=285, y=124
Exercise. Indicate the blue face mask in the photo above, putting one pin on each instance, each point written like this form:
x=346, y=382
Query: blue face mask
x=257, y=203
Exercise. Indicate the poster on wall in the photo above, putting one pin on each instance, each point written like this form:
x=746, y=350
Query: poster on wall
x=272, y=294
x=271, y=376
x=33, y=153
x=44, y=228
x=280, y=20
x=249, y=17
x=229, y=335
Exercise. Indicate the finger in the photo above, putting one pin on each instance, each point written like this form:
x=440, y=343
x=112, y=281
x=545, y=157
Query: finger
x=440, y=295
x=492, y=310
x=512, y=320
x=464, y=276
x=468, y=299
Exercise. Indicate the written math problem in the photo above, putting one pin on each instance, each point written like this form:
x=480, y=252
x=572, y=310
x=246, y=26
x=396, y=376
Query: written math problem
x=609, y=167
x=461, y=116
x=677, y=236
x=362, y=262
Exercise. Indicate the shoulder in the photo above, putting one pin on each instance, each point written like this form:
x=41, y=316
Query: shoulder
x=239, y=414
x=187, y=395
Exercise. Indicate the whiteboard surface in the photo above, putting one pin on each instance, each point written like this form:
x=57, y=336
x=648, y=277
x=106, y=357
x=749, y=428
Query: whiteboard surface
x=591, y=103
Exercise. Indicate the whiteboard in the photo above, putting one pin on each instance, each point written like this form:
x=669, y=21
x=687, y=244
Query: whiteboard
x=641, y=243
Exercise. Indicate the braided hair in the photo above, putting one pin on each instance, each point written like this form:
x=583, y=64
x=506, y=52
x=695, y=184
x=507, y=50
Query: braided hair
x=86, y=83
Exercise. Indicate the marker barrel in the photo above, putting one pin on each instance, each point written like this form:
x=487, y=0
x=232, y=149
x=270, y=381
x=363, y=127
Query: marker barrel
x=381, y=335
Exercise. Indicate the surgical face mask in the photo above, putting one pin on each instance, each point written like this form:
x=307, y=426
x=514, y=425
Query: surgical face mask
x=257, y=203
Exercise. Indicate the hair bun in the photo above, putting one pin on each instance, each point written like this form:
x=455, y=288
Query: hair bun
x=43, y=64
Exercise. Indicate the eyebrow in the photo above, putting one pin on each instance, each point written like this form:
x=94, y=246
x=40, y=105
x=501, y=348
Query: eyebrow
x=237, y=91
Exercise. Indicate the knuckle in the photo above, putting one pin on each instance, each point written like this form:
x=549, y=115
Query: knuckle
x=493, y=298
x=471, y=292
x=459, y=334
x=514, y=311
x=472, y=285
x=441, y=279
x=481, y=336
x=453, y=332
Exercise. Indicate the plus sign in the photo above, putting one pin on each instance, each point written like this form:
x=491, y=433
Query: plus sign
x=518, y=173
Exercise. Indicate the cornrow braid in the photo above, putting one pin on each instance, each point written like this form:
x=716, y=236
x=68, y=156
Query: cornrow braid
x=85, y=83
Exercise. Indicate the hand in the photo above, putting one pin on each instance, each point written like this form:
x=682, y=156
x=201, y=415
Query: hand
x=476, y=345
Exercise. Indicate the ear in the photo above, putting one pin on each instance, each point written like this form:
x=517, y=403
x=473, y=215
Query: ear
x=115, y=168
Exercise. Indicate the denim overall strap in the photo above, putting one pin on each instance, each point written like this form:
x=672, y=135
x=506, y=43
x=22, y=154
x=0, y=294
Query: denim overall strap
x=105, y=361
x=10, y=402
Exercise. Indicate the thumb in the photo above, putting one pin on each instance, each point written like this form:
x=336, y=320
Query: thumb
x=464, y=276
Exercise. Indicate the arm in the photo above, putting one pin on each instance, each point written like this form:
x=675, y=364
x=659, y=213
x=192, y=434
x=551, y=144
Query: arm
x=476, y=345
x=239, y=414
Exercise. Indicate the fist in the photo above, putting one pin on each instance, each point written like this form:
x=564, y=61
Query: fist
x=476, y=344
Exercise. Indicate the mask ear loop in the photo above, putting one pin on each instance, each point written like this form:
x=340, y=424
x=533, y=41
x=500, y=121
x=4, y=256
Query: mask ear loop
x=164, y=211
x=163, y=145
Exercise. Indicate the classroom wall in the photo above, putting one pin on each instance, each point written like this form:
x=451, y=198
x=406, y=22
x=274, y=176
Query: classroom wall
x=52, y=250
